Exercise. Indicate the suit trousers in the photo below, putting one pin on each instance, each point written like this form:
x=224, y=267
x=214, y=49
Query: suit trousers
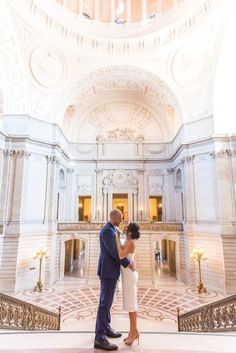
x=107, y=291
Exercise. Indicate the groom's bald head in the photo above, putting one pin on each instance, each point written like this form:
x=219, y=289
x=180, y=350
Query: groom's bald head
x=116, y=217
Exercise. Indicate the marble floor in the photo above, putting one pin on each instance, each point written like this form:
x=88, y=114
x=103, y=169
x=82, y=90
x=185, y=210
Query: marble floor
x=158, y=302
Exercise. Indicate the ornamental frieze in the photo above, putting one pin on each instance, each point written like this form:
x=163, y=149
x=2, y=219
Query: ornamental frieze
x=156, y=227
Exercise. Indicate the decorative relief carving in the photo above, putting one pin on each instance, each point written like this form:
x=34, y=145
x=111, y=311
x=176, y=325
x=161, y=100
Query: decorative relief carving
x=48, y=66
x=155, y=188
x=120, y=134
x=191, y=64
x=70, y=171
x=120, y=178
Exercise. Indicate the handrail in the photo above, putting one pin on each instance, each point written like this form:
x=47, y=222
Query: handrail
x=219, y=316
x=16, y=314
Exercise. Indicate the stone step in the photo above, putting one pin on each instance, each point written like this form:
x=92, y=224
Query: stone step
x=82, y=342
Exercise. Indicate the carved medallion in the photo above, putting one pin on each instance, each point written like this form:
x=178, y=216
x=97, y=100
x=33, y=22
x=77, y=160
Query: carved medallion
x=191, y=64
x=48, y=66
x=119, y=177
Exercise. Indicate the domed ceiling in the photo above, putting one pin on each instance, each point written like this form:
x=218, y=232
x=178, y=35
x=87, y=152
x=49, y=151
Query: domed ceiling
x=118, y=11
x=121, y=101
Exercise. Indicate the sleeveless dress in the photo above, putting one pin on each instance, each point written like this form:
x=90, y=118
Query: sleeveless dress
x=129, y=285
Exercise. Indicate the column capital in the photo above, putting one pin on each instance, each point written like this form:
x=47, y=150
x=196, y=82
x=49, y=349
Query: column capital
x=22, y=154
x=9, y=153
x=52, y=159
x=220, y=154
x=187, y=159
x=70, y=170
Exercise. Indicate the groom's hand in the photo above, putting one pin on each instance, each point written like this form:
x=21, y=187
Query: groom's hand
x=132, y=266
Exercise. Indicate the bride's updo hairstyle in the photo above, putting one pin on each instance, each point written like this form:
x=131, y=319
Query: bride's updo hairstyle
x=134, y=230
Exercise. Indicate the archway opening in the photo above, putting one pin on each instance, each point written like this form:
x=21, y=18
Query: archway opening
x=75, y=258
x=165, y=259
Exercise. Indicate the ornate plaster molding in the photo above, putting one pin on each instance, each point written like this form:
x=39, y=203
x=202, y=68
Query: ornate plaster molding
x=80, y=38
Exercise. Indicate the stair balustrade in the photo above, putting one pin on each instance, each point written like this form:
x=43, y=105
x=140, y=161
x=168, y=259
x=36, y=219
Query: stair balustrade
x=17, y=314
x=219, y=316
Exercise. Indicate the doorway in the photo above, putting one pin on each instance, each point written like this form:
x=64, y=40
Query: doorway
x=74, y=258
x=155, y=207
x=84, y=208
x=165, y=259
x=120, y=201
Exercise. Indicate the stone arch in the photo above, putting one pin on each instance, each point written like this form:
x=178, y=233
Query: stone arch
x=84, y=92
x=166, y=236
x=72, y=236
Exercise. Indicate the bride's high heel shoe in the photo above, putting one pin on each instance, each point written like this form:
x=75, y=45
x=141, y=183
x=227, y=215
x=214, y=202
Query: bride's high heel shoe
x=133, y=335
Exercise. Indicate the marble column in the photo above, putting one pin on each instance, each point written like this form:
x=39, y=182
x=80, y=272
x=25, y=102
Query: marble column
x=128, y=11
x=113, y=11
x=70, y=201
x=96, y=10
x=190, y=209
x=12, y=195
x=51, y=214
x=144, y=10
x=142, y=186
x=81, y=7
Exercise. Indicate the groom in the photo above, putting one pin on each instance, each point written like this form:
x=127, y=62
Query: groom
x=108, y=272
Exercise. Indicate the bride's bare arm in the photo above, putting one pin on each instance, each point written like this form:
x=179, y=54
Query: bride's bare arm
x=123, y=252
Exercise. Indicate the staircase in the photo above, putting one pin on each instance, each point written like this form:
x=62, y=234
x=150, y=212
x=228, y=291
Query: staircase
x=82, y=342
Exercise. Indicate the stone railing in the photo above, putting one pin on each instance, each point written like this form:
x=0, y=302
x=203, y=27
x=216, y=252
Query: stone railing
x=213, y=317
x=17, y=314
x=156, y=227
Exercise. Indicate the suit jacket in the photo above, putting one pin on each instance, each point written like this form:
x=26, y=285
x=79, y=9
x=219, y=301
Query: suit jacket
x=109, y=262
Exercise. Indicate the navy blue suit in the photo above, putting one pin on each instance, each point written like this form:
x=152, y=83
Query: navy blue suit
x=108, y=272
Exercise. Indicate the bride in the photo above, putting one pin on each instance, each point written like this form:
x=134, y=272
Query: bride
x=129, y=279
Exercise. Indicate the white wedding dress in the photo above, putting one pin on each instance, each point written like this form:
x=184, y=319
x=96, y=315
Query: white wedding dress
x=129, y=284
